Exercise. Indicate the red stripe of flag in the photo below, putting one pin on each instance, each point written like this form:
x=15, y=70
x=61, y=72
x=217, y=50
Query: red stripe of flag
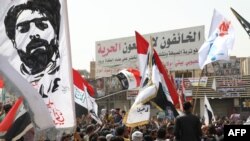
x=11, y=115
x=81, y=82
x=136, y=75
x=163, y=71
x=140, y=41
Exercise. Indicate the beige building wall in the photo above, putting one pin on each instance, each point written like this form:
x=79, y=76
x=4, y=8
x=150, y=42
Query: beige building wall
x=197, y=73
x=245, y=66
x=92, y=70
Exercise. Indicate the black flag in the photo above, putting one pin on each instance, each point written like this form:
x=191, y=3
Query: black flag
x=243, y=22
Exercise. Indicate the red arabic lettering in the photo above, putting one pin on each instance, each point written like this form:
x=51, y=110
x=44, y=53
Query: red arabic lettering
x=105, y=51
x=192, y=62
x=57, y=115
x=224, y=26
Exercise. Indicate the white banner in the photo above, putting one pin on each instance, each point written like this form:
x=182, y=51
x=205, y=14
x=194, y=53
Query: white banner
x=178, y=50
x=188, y=93
x=35, y=38
x=198, y=81
x=137, y=115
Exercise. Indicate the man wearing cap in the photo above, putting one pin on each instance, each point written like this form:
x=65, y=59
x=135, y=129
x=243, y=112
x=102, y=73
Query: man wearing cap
x=137, y=136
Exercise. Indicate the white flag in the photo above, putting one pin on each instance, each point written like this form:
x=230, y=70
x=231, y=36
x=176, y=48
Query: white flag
x=35, y=38
x=208, y=112
x=16, y=84
x=219, y=42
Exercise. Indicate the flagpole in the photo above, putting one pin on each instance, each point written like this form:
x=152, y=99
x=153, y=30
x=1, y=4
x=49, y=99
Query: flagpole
x=150, y=72
x=197, y=90
x=150, y=61
x=181, y=95
x=131, y=132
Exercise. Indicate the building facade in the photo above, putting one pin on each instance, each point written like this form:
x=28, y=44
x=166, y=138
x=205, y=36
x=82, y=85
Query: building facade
x=225, y=83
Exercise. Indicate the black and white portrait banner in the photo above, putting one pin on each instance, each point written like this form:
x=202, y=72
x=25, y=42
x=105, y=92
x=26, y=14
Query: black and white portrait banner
x=35, y=39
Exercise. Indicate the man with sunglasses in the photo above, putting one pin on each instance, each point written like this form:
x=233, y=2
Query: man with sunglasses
x=33, y=29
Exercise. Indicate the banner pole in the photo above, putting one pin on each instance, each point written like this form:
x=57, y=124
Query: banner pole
x=197, y=90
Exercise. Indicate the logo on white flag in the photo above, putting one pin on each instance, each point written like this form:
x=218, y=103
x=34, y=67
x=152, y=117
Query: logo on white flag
x=220, y=32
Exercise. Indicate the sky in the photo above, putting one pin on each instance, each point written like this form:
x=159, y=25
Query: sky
x=97, y=20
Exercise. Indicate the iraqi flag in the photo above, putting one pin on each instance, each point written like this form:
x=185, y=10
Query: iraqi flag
x=161, y=99
x=16, y=123
x=80, y=83
x=130, y=78
x=153, y=88
x=173, y=81
x=160, y=72
x=84, y=103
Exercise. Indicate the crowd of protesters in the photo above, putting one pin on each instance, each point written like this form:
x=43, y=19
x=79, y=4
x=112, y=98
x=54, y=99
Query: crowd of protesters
x=158, y=128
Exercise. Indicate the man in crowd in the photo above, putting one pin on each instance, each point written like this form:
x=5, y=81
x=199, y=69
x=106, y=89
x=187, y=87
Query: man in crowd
x=188, y=126
x=137, y=136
